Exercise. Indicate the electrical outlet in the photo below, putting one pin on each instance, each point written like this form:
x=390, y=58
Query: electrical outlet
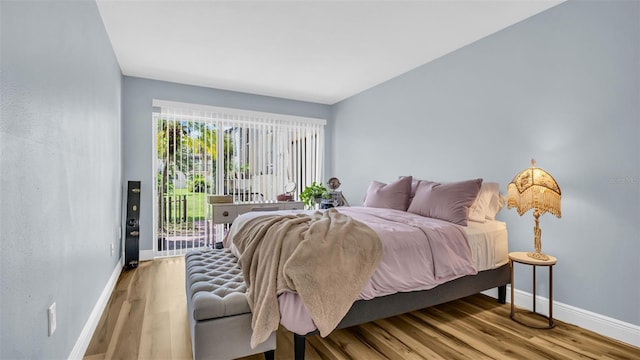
x=51, y=312
x=113, y=249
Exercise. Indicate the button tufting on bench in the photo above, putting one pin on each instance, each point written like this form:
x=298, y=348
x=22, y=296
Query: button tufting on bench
x=219, y=314
x=215, y=284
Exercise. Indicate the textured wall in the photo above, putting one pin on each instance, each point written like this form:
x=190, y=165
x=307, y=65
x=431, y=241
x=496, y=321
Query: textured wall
x=563, y=87
x=138, y=95
x=60, y=172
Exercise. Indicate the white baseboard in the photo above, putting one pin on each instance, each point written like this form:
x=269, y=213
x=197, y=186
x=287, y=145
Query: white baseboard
x=84, y=339
x=601, y=324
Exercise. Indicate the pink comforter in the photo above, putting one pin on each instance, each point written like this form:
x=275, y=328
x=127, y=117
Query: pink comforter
x=419, y=253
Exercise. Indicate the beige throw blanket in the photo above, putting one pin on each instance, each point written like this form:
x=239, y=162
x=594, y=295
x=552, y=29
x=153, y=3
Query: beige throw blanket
x=326, y=258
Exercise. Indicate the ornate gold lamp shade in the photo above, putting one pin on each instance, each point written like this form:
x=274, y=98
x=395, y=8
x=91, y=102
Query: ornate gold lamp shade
x=536, y=189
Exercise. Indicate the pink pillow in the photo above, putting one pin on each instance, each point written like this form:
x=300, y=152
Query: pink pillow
x=445, y=201
x=414, y=186
x=389, y=196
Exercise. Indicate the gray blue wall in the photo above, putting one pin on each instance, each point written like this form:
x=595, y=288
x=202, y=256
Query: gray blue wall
x=60, y=166
x=138, y=95
x=562, y=87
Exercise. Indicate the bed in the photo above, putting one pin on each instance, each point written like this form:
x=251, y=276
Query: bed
x=425, y=243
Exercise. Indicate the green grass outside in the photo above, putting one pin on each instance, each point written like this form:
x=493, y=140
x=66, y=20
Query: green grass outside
x=196, y=204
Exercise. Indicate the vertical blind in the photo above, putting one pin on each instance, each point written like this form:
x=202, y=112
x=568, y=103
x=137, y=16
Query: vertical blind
x=210, y=150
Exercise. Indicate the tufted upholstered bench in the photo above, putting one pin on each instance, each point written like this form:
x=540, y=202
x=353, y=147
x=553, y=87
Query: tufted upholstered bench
x=219, y=315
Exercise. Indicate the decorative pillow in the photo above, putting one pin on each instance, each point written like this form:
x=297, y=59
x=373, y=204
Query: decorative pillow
x=390, y=196
x=445, y=201
x=480, y=207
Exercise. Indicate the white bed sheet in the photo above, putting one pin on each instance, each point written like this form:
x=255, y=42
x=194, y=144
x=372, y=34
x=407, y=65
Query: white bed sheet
x=489, y=244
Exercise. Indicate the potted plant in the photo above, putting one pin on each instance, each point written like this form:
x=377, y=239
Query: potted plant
x=313, y=194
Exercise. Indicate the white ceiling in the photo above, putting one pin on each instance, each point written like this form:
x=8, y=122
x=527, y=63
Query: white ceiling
x=318, y=51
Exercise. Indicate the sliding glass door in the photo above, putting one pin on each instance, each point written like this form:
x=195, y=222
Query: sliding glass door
x=251, y=156
x=186, y=173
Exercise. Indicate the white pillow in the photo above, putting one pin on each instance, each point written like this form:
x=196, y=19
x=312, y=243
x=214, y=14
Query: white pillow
x=486, y=203
x=497, y=202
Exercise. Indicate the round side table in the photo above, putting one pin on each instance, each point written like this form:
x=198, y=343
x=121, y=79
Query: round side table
x=522, y=258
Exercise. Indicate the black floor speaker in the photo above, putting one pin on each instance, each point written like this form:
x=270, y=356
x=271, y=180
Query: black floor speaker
x=132, y=226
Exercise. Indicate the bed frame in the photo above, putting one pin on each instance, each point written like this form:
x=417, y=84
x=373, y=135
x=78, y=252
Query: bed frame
x=364, y=311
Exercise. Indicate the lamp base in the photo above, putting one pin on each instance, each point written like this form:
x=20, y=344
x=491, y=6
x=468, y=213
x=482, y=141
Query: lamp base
x=538, y=256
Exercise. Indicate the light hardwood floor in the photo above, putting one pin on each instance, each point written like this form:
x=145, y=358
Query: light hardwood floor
x=146, y=319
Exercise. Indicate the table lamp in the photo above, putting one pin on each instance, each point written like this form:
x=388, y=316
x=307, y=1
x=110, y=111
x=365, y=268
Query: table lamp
x=534, y=188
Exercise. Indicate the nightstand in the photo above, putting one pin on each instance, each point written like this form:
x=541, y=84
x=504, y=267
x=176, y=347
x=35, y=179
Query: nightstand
x=522, y=258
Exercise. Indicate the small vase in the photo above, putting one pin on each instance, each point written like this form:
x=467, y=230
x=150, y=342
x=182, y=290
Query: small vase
x=315, y=204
